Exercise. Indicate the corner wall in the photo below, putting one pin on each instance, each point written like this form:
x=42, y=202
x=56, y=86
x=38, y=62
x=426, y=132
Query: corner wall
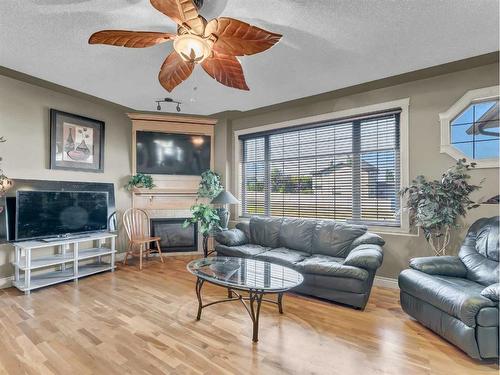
x=24, y=122
x=428, y=97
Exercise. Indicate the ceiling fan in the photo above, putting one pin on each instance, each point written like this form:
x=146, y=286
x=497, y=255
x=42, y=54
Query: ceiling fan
x=214, y=45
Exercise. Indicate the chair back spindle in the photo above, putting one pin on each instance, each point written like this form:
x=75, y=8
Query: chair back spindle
x=136, y=222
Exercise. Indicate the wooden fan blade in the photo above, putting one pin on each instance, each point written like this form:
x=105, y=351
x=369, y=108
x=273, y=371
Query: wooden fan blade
x=225, y=69
x=131, y=39
x=182, y=12
x=238, y=38
x=174, y=71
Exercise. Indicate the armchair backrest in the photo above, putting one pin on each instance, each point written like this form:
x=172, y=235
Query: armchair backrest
x=480, y=251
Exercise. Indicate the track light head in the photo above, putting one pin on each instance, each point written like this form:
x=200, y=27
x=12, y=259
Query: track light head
x=167, y=100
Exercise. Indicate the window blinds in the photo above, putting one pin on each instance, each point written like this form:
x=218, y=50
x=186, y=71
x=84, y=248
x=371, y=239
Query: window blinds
x=343, y=170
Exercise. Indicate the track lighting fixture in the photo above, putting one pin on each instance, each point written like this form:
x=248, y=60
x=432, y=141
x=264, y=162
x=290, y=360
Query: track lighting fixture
x=168, y=100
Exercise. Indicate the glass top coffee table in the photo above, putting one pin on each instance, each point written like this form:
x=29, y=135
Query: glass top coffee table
x=254, y=277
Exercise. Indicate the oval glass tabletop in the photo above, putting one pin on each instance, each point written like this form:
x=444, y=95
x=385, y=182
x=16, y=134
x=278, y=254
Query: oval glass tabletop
x=245, y=274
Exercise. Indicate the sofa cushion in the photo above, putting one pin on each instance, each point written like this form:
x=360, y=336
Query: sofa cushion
x=480, y=251
x=335, y=239
x=243, y=251
x=244, y=226
x=297, y=234
x=265, y=231
x=330, y=266
x=283, y=256
x=231, y=237
x=457, y=297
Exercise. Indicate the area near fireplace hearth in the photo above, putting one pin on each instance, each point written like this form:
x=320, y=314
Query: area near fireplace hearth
x=168, y=203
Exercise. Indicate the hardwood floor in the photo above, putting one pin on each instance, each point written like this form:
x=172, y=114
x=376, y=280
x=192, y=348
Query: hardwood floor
x=133, y=322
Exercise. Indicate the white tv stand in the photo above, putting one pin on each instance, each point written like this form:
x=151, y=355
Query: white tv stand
x=68, y=261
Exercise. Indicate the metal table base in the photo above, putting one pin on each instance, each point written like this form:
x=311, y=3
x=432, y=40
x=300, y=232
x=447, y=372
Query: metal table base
x=254, y=299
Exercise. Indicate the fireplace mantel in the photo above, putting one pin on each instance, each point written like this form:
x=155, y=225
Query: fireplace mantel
x=173, y=195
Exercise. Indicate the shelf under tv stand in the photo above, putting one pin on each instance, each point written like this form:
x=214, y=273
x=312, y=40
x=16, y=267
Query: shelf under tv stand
x=68, y=261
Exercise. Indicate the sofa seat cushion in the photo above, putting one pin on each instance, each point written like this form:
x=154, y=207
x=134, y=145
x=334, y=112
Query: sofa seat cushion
x=330, y=266
x=283, y=256
x=457, y=297
x=242, y=251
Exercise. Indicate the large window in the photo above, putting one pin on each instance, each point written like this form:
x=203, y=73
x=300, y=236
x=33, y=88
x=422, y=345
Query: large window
x=344, y=170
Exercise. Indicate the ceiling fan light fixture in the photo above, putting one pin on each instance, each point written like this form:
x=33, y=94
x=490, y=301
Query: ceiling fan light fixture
x=192, y=48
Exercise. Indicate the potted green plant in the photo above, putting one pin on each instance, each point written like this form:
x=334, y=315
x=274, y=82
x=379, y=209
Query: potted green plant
x=210, y=185
x=436, y=205
x=204, y=214
x=140, y=181
x=207, y=219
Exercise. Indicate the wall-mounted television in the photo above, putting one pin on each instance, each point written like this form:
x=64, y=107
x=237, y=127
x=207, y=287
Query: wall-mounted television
x=173, y=154
x=42, y=214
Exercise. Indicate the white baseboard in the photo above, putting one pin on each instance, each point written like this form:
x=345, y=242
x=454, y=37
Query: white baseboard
x=386, y=282
x=6, y=282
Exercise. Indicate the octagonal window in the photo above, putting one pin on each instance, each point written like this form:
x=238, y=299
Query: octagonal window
x=475, y=131
x=470, y=128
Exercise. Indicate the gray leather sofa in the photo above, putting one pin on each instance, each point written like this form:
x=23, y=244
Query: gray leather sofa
x=457, y=296
x=338, y=261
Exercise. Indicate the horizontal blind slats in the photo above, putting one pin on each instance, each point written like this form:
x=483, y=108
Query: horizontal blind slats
x=311, y=172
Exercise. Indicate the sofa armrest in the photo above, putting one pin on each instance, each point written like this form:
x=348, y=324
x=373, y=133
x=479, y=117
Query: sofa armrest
x=492, y=292
x=368, y=238
x=367, y=256
x=443, y=265
x=232, y=237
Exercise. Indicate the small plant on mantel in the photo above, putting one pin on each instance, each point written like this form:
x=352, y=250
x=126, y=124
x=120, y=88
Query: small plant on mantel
x=140, y=181
x=202, y=213
x=435, y=206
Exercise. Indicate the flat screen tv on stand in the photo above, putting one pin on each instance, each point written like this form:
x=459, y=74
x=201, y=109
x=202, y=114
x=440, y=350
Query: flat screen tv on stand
x=52, y=215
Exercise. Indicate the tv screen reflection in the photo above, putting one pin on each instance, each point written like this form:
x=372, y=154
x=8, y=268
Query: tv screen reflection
x=177, y=154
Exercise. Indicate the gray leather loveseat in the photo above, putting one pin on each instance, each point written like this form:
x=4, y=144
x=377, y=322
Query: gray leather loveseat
x=338, y=261
x=457, y=296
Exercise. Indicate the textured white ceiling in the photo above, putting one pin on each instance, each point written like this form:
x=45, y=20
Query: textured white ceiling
x=327, y=45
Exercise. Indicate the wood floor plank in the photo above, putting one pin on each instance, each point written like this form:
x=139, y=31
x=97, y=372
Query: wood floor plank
x=133, y=322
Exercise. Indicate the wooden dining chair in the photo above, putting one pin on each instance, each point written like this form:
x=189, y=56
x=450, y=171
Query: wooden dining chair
x=136, y=222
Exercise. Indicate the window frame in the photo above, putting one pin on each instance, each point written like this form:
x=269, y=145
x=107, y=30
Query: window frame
x=402, y=104
x=446, y=118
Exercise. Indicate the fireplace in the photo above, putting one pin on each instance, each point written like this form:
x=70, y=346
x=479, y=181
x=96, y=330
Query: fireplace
x=175, y=238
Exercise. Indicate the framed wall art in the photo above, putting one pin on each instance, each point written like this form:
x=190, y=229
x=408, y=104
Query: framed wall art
x=76, y=142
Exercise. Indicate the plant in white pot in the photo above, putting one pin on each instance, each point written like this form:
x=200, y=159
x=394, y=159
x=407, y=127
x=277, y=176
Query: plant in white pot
x=435, y=206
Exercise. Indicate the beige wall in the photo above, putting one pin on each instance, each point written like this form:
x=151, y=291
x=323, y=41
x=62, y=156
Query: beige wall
x=428, y=97
x=24, y=122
